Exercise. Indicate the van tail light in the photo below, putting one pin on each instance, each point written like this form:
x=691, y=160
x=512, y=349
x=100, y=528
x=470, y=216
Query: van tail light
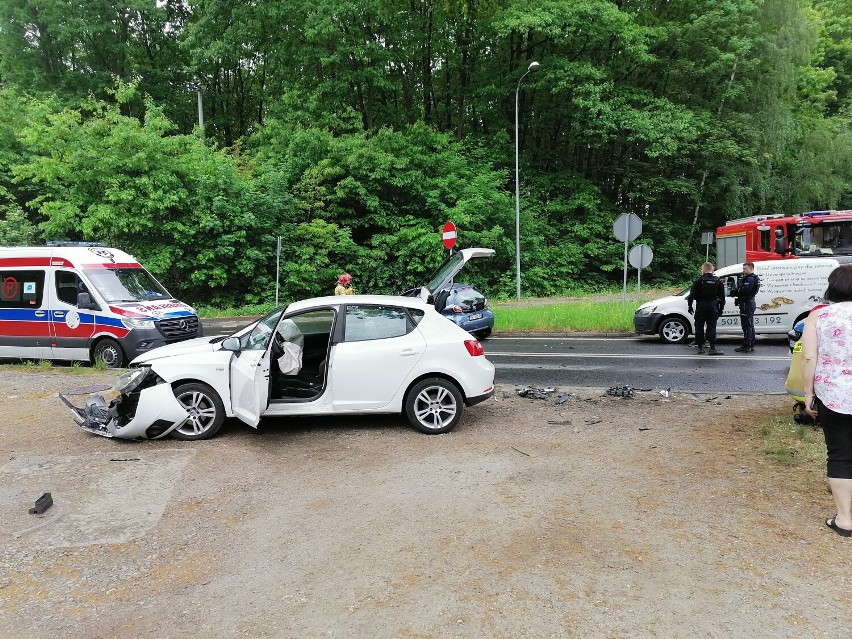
x=456, y=308
x=474, y=347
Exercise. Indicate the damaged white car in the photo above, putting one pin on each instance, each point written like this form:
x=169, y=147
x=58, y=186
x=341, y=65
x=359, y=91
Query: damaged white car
x=344, y=355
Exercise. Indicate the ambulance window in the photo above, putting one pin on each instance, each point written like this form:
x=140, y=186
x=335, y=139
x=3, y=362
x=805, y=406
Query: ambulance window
x=67, y=286
x=21, y=289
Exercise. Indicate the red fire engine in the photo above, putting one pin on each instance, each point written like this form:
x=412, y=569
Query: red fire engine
x=779, y=237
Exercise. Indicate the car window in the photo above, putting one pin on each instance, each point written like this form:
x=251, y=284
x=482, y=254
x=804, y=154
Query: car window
x=374, y=322
x=68, y=284
x=258, y=338
x=416, y=315
x=21, y=289
x=468, y=298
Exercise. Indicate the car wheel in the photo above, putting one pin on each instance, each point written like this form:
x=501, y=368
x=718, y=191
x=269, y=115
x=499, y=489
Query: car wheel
x=674, y=330
x=483, y=334
x=434, y=406
x=108, y=352
x=206, y=412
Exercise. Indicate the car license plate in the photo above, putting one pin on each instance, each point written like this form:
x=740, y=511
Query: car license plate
x=475, y=316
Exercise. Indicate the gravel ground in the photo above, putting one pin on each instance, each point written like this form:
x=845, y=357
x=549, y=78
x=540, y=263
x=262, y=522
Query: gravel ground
x=599, y=517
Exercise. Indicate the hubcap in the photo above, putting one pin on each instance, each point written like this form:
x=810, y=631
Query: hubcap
x=201, y=411
x=435, y=407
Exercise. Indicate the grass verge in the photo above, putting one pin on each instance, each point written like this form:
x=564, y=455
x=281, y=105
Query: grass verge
x=792, y=444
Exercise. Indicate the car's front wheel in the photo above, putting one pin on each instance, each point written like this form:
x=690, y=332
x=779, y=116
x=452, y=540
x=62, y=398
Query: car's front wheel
x=674, y=330
x=434, y=406
x=206, y=412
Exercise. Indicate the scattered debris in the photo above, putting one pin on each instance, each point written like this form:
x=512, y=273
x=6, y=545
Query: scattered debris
x=536, y=393
x=563, y=398
x=620, y=391
x=592, y=419
x=42, y=503
x=667, y=392
x=644, y=428
x=565, y=422
x=520, y=451
x=127, y=459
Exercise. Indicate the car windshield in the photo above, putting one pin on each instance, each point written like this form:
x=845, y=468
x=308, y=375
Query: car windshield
x=126, y=284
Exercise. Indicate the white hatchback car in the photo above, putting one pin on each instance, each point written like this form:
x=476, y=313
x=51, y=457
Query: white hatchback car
x=352, y=354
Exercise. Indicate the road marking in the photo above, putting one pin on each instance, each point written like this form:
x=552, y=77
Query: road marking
x=761, y=358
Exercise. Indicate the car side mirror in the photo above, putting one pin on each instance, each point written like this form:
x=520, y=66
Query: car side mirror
x=232, y=344
x=84, y=302
x=780, y=245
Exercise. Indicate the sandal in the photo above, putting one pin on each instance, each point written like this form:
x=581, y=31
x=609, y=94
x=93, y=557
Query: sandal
x=843, y=532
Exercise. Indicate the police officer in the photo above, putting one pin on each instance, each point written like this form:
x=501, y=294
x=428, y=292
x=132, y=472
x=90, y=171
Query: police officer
x=708, y=296
x=744, y=298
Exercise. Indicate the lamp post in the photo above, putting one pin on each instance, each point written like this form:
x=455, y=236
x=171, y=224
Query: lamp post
x=533, y=67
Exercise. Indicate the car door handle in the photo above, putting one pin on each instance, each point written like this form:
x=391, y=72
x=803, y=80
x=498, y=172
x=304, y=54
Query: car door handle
x=59, y=314
x=408, y=352
x=40, y=313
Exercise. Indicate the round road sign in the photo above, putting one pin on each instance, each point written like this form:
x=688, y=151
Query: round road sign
x=449, y=235
x=641, y=255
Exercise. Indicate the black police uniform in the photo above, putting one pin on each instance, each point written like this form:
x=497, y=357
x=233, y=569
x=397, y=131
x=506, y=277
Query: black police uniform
x=708, y=295
x=744, y=293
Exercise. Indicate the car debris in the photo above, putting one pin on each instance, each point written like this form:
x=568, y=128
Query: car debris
x=620, y=391
x=592, y=419
x=42, y=503
x=536, y=392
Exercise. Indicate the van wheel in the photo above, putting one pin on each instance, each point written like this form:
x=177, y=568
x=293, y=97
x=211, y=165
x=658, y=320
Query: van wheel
x=109, y=353
x=674, y=330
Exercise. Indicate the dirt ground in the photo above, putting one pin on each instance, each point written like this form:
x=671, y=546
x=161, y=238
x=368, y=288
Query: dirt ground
x=599, y=517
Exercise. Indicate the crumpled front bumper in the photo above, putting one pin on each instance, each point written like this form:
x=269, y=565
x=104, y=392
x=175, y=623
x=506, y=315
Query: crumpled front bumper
x=156, y=414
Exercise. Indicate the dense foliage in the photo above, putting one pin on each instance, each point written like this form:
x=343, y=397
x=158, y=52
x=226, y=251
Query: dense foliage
x=353, y=129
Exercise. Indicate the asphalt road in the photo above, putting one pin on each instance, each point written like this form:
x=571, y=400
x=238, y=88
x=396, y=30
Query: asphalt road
x=638, y=362
x=606, y=361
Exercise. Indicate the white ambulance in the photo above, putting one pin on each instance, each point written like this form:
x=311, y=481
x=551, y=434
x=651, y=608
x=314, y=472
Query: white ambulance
x=789, y=289
x=85, y=302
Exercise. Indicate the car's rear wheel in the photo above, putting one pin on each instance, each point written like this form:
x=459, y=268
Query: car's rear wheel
x=483, y=334
x=434, y=406
x=108, y=352
x=674, y=330
x=206, y=412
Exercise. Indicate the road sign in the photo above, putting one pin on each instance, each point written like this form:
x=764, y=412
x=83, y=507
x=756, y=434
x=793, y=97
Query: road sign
x=641, y=255
x=449, y=235
x=627, y=227
x=709, y=237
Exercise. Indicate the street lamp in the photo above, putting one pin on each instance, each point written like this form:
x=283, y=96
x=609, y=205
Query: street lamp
x=533, y=67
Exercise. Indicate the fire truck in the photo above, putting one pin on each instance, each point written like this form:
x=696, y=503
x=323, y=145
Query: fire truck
x=781, y=237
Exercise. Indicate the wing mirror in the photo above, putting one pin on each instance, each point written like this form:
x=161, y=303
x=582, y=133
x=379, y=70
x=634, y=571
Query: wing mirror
x=84, y=302
x=232, y=344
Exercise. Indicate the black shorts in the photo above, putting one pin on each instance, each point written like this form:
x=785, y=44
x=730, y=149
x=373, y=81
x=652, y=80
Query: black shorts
x=837, y=429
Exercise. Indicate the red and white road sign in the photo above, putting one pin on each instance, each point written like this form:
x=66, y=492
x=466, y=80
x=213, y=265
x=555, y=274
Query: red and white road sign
x=449, y=235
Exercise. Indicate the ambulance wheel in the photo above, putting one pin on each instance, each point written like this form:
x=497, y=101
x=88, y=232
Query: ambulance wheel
x=674, y=330
x=206, y=412
x=109, y=353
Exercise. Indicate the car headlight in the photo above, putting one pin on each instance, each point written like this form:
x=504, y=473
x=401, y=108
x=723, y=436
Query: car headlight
x=132, y=322
x=646, y=310
x=128, y=381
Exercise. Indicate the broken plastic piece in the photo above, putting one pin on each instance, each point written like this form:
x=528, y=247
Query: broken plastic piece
x=42, y=503
x=620, y=391
x=536, y=393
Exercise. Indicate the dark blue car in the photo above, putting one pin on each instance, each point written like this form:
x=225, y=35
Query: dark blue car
x=466, y=306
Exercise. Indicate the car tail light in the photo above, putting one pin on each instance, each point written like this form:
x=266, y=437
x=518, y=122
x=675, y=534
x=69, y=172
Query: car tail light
x=485, y=303
x=474, y=347
x=455, y=308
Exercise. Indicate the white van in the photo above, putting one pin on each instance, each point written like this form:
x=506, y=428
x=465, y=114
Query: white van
x=70, y=301
x=789, y=289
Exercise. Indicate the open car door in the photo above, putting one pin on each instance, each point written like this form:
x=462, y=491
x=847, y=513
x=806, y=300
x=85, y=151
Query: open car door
x=250, y=384
x=445, y=273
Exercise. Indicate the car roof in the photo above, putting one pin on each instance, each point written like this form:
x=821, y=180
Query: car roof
x=335, y=300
